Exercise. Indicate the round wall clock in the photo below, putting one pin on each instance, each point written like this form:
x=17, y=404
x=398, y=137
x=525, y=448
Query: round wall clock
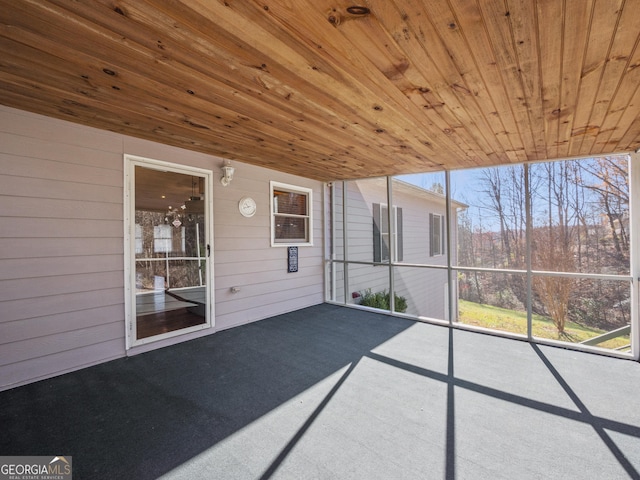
x=247, y=206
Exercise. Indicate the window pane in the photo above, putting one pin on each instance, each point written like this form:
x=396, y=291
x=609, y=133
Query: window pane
x=430, y=182
x=384, y=220
x=418, y=197
x=153, y=275
x=335, y=274
x=290, y=228
x=422, y=292
x=365, y=199
x=369, y=285
x=289, y=202
x=579, y=310
x=491, y=228
x=436, y=234
x=384, y=234
x=579, y=211
x=162, y=238
x=580, y=214
x=493, y=300
x=579, y=222
x=156, y=237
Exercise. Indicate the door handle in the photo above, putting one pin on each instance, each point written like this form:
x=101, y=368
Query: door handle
x=208, y=250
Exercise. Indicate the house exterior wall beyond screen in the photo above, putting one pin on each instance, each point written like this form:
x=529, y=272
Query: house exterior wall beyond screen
x=424, y=288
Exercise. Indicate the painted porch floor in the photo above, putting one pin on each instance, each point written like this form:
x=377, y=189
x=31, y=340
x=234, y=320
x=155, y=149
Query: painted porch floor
x=330, y=392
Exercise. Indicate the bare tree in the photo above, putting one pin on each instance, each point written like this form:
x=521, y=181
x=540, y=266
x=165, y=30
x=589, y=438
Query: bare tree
x=503, y=201
x=554, y=241
x=470, y=242
x=492, y=180
x=579, y=223
x=610, y=175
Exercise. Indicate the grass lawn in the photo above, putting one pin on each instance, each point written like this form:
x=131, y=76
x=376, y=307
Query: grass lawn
x=514, y=321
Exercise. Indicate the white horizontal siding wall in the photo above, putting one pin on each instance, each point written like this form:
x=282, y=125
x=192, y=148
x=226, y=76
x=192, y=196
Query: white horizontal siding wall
x=61, y=249
x=423, y=288
x=361, y=195
x=244, y=257
x=62, y=246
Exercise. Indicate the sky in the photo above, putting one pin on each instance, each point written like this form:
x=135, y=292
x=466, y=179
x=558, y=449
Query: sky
x=467, y=187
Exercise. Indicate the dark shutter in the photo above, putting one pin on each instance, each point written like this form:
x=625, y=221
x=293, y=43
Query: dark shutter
x=431, y=234
x=443, y=235
x=376, y=232
x=399, y=234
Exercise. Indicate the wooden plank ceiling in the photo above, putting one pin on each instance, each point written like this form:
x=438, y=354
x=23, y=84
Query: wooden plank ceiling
x=335, y=89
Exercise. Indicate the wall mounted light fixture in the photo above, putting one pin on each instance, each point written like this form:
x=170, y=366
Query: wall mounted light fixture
x=227, y=173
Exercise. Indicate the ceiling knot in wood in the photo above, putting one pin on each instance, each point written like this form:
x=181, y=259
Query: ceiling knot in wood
x=334, y=17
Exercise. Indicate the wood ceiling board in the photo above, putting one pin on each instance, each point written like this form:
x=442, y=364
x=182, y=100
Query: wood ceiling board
x=395, y=118
x=375, y=48
x=136, y=85
x=477, y=73
x=497, y=18
x=627, y=96
x=623, y=114
x=623, y=49
x=575, y=34
x=544, y=54
x=89, y=87
x=602, y=29
x=316, y=107
x=308, y=88
x=437, y=86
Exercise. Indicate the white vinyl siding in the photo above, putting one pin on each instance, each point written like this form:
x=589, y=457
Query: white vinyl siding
x=61, y=243
x=62, y=246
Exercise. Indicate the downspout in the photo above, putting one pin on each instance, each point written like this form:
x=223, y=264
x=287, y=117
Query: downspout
x=392, y=243
x=451, y=275
x=528, y=228
x=345, y=245
x=634, y=250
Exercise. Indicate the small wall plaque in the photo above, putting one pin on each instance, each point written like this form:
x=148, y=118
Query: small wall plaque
x=293, y=259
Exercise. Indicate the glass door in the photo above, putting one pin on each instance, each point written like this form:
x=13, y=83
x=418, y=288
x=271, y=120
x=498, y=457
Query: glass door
x=171, y=252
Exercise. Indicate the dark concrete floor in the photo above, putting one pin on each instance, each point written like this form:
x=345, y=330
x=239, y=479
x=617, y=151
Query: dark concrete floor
x=330, y=392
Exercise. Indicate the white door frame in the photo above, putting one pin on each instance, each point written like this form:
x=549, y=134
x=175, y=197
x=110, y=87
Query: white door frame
x=130, y=162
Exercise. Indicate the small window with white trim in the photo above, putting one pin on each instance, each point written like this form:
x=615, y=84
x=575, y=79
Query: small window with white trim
x=291, y=215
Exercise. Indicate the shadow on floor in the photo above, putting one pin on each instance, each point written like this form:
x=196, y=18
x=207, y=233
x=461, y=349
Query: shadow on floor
x=140, y=417
x=333, y=392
